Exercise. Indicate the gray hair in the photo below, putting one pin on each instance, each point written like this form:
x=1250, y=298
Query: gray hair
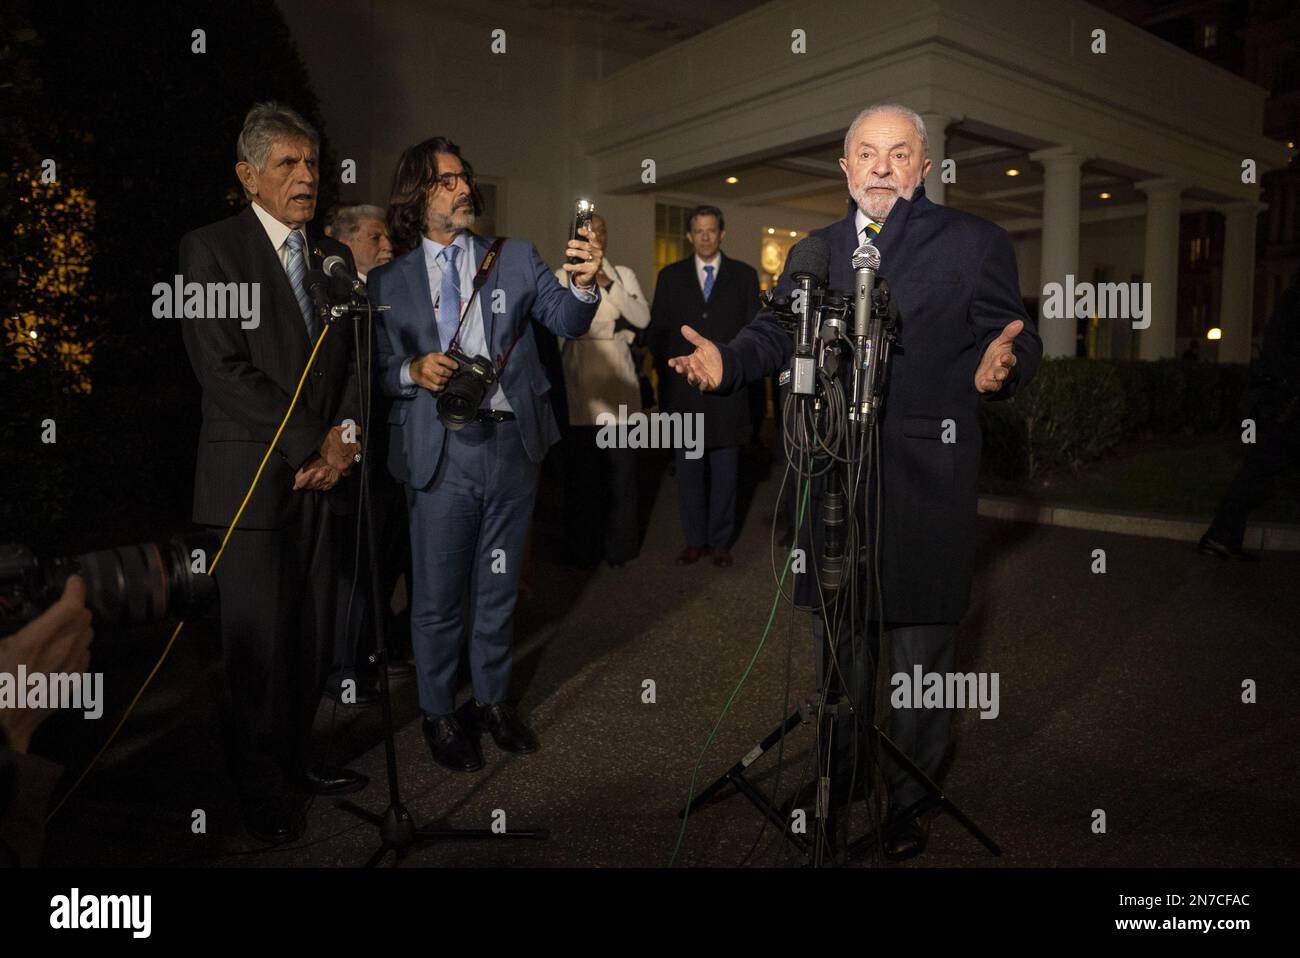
x=266, y=123
x=347, y=220
x=913, y=117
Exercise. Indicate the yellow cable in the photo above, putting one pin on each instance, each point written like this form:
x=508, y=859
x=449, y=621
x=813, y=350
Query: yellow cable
x=211, y=569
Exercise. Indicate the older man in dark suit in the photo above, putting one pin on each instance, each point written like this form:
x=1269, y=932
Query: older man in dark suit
x=964, y=336
x=716, y=295
x=277, y=576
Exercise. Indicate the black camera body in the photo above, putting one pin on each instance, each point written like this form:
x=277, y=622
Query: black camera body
x=460, y=399
x=125, y=587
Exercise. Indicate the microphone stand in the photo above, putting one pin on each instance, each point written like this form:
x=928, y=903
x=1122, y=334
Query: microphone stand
x=874, y=332
x=398, y=832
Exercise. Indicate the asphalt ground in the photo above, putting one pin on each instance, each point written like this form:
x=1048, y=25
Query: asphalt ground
x=1120, y=692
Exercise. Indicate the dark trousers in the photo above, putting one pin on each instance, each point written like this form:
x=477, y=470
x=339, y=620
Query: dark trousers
x=600, y=499
x=707, y=496
x=1277, y=449
x=920, y=733
x=279, y=611
x=469, y=527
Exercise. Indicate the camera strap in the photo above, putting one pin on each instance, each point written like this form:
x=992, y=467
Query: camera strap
x=484, y=270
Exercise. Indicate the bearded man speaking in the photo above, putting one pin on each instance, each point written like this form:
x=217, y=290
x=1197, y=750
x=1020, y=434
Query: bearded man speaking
x=965, y=335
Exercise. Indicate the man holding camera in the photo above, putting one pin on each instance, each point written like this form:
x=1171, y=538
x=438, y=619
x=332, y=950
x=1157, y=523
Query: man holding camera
x=471, y=486
x=964, y=336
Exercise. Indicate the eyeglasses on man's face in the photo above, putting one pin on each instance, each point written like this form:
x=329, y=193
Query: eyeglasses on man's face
x=448, y=180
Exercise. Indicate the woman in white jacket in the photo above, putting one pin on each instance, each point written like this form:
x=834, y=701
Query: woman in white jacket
x=600, y=377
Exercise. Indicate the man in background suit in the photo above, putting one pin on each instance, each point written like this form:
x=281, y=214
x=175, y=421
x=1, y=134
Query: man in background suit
x=716, y=295
x=964, y=335
x=470, y=490
x=277, y=576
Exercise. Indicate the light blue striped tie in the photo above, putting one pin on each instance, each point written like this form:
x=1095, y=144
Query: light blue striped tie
x=708, y=282
x=449, y=296
x=297, y=277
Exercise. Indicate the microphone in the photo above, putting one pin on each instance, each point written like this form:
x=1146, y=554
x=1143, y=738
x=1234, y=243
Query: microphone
x=868, y=336
x=808, y=265
x=866, y=261
x=336, y=268
x=318, y=288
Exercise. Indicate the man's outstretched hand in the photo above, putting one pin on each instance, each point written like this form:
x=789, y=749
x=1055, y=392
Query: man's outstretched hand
x=703, y=367
x=998, y=359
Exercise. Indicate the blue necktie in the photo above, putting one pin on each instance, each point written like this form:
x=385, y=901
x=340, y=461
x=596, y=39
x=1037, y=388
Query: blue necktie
x=297, y=277
x=449, y=297
x=708, y=282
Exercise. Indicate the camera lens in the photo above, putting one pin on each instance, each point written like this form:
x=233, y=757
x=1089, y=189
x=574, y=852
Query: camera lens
x=144, y=582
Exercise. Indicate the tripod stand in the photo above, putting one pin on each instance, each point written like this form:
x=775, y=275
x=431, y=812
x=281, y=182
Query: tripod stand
x=398, y=832
x=827, y=709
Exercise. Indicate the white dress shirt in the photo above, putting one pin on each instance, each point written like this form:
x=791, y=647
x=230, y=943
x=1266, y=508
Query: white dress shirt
x=279, y=235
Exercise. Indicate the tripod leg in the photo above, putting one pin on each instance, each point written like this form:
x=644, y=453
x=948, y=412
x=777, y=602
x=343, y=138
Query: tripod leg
x=734, y=775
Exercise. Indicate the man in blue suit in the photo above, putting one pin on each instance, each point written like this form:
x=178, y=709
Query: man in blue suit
x=964, y=336
x=470, y=490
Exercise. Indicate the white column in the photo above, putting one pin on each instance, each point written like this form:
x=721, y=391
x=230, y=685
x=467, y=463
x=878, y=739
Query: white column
x=1160, y=268
x=1237, y=294
x=1060, y=256
x=936, y=130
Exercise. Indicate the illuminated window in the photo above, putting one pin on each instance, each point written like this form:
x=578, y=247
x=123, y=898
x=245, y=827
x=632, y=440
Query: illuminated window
x=670, y=234
x=1209, y=36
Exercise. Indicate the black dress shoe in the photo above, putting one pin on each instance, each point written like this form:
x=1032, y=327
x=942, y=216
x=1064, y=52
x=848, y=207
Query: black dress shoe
x=1213, y=547
x=906, y=839
x=273, y=820
x=449, y=744
x=507, y=728
x=328, y=780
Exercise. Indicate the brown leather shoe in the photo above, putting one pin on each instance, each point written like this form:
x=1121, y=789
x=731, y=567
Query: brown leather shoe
x=692, y=554
x=722, y=559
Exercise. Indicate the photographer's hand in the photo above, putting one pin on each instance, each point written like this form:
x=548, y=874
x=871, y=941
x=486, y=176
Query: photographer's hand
x=592, y=254
x=432, y=370
x=702, y=368
x=58, y=640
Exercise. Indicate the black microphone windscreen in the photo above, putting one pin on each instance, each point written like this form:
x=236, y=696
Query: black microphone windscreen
x=811, y=255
